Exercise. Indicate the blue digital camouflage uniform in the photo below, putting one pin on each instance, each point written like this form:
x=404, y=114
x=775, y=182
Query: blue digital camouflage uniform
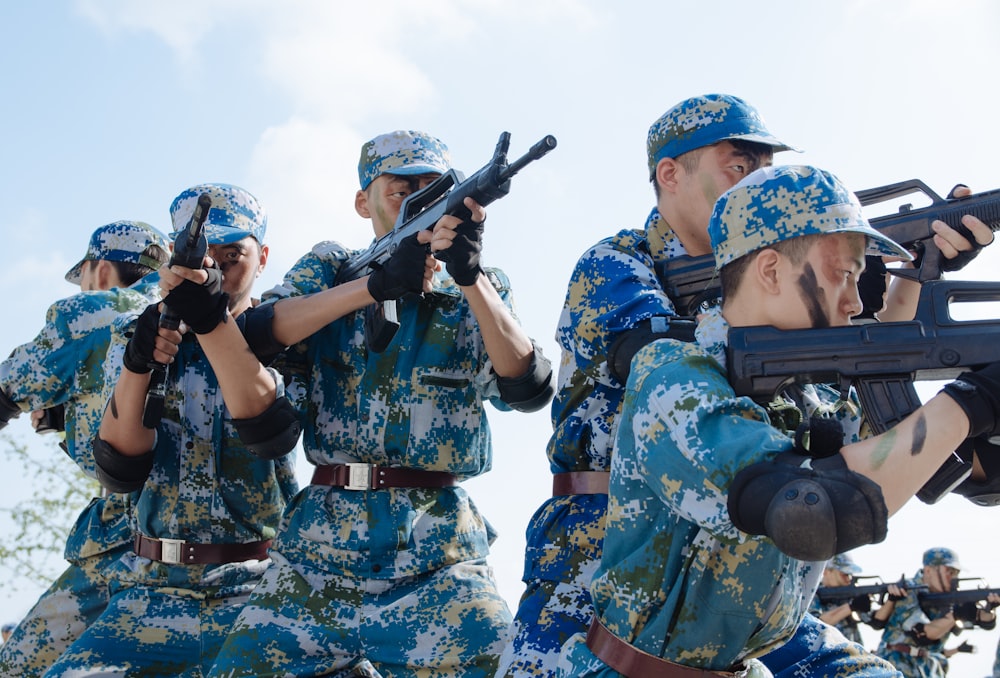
x=392, y=581
x=678, y=580
x=613, y=287
x=906, y=615
x=205, y=487
x=63, y=364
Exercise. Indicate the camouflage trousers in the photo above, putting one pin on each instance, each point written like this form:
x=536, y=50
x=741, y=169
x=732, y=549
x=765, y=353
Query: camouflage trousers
x=564, y=540
x=149, y=631
x=931, y=666
x=305, y=622
x=59, y=617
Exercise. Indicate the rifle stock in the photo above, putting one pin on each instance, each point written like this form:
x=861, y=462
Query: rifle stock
x=880, y=360
x=692, y=281
x=421, y=210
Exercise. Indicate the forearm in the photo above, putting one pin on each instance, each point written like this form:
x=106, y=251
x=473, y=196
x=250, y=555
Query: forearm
x=939, y=628
x=297, y=318
x=902, y=459
x=508, y=346
x=900, y=301
x=836, y=614
x=121, y=426
x=247, y=388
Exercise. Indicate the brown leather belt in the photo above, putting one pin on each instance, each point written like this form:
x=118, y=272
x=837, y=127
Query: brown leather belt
x=580, y=482
x=179, y=552
x=634, y=663
x=375, y=477
x=908, y=650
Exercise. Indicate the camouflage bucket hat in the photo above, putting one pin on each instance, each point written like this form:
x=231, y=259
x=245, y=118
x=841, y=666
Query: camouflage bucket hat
x=773, y=204
x=402, y=152
x=844, y=563
x=705, y=120
x=120, y=241
x=941, y=556
x=234, y=215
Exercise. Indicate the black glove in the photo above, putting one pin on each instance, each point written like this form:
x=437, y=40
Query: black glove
x=139, y=350
x=978, y=394
x=896, y=599
x=861, y=604
x=462, y=258
x=201, y=307
x=402, y=273
x=872, y=288
x=965, y=647
x=960, y=260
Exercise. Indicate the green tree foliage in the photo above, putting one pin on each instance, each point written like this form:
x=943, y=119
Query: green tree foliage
x=35, y=528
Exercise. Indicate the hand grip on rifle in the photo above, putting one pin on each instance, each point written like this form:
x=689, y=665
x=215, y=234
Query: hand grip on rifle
x=421, y=210
x=190, y=248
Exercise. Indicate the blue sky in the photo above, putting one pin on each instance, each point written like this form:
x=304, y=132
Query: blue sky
x=111, y=108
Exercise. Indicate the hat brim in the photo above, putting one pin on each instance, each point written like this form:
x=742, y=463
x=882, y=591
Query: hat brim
x=417, y=168
x=222, y=235
x=881, y=245
x=776, y=144
x=75, y=274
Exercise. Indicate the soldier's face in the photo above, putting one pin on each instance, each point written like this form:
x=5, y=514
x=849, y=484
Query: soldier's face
x=242, y=263
x=822, y=290
x=383, y=199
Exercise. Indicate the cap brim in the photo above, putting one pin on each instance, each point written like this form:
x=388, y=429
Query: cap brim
x=75, y=274
x=221, y=235
x=417, y=168
x=776, y=144
x=883, y=246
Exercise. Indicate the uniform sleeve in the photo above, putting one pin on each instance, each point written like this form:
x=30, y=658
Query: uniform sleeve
x=314, y=272
x=691, y=434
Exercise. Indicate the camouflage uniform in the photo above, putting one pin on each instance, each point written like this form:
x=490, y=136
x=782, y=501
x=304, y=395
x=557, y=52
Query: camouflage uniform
x=205, y=487
x=677, y=580
x=394, y=578
x=907, y=614
x=392, y=581
x=614, y=287
x=849, y=625
x=63, y=365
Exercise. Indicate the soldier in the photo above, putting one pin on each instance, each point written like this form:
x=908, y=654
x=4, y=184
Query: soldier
x=60, y=373
x=712, y=551
x=845, y=616
x=212, y=478
x=381, y=561
x=915, y=635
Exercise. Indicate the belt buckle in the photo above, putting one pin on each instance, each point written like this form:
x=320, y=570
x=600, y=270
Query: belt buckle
x=171, y=551
x=359, y=477
x=914, y=651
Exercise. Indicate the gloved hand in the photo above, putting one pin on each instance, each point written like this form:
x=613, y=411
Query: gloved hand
x=201, y=307
x=960, y=260
x=965, y=647
x=861, y=604
x=402, y=273
x=462, y=258
x=139, y=350
x=978, y=394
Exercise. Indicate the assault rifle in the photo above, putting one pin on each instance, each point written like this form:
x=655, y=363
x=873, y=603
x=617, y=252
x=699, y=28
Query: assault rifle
x=845, y=594
x=190, y=247
x=880, y=360
x=948, y=598
x=421, y=210
x=691, y=282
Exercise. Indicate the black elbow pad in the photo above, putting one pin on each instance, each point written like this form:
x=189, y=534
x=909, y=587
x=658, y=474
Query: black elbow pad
x=272, y=433
x=532, y=390
x=812, y=509
x=118, y=472
x=8, y=409
x=646, y=331
x=257, y=324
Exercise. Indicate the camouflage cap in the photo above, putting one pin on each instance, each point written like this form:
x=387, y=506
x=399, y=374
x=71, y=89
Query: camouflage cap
x=941, y=556
x=234, y=215
x=120, y=241
x=705, y=120
x=402, y=152
x=773, y=204
x=844, y=563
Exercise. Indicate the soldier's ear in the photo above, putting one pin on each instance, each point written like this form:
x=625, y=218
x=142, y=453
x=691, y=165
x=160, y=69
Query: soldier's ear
x=667, y=171
x=361, y=205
